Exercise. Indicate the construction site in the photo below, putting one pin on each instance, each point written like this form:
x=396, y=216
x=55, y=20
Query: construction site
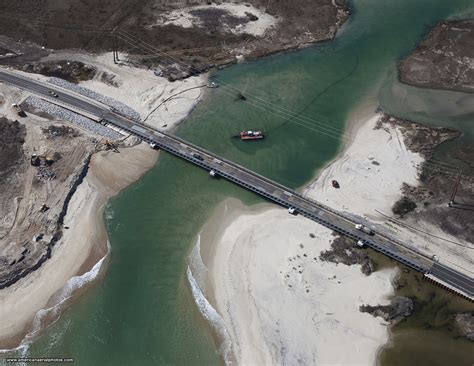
x=42, y=162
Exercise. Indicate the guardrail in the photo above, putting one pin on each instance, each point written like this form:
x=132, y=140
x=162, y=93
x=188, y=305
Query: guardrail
x=295, y=193
x=304, y=212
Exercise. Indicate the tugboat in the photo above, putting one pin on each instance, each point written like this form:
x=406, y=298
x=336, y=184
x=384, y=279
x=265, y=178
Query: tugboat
x=251, y=135
x=335, y=184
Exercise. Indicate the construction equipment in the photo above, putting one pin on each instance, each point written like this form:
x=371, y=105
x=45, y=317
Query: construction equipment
x=41, y=160
x=35, y=160
x=49, y=160
x=109, y=145
x=44, y=208
x=18, y=110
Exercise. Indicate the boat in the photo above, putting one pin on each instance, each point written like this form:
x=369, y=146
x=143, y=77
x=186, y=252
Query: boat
x=251, y=135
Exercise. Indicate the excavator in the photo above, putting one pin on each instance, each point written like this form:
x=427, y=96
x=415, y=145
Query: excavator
x=109, y=145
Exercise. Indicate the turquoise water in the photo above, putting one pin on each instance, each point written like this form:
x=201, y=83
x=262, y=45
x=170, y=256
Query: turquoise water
x=142, y=312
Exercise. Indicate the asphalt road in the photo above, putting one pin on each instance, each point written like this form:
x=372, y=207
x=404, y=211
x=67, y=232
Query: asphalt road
x=274, y=191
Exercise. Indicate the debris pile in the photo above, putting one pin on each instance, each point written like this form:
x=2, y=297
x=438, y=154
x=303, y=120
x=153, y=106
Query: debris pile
x=45, y=173
x=464, y=323
x=55, y=131
x=399, y=308
x=343, y=250
x=72, y=71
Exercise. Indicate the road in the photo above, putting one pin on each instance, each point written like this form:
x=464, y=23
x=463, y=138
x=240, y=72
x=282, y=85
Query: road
x=459, y=283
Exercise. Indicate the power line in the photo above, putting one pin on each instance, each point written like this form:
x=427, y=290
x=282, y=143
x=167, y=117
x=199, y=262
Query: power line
x=424, y=232
x=334, y=132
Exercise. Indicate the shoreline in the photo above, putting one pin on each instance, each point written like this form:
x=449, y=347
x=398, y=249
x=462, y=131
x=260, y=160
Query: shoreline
x=211, y=236
x=376, y=152
x=353, y=123
x=327, y=291
x=88, y=202
x=75, y=257
x=201, y=260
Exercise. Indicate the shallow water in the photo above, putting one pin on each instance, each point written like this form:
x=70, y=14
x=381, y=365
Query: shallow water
x=143, y=312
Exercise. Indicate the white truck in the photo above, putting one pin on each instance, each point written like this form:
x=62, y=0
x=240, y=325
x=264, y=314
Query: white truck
x=364, y=229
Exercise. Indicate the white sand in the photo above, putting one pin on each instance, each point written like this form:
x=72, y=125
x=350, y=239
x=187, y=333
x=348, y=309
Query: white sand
x=141, y=89
x=183, y=18
x=252, y=264
x=83, y=244
x=366, y=188
x=251, y=255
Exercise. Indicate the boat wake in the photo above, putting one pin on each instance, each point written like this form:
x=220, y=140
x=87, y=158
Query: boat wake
x=196, y=274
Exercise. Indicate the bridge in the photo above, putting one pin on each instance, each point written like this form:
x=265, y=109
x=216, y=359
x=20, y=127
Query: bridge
x=440, y=273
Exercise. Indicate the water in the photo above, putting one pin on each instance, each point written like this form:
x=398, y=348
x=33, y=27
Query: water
x=143, y=312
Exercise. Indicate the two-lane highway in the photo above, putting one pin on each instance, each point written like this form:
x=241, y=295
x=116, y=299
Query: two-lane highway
x=458, y=282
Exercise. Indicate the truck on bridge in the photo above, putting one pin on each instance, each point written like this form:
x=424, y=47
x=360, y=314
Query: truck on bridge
x=364, y=229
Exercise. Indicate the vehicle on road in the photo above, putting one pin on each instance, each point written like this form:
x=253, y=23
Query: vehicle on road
x=153, y=145
x=360, y=243
x=197, y=156
x=292, y=211
x=53, y=94
x=335, y=184
x=364, y=229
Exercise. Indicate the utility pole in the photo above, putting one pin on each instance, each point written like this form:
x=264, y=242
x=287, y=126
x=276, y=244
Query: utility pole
x=115, y=46
x=455, y=190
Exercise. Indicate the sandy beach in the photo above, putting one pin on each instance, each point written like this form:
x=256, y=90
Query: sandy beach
x=371, y=169
x=278, y=303
x=81, y=248
x=81, y=253
x=281, y=304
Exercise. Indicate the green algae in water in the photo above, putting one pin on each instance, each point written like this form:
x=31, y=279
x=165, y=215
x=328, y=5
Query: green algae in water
x=142, y=312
